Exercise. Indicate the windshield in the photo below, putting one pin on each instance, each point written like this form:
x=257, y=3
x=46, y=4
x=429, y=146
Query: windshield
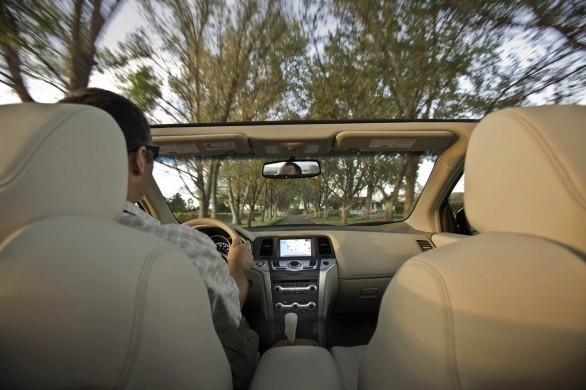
x=353, y=188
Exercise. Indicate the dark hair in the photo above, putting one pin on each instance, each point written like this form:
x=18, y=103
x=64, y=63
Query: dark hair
x=289, y=164
x=129, y=117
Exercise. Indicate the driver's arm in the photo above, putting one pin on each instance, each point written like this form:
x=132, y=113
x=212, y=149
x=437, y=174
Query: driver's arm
x=240, y=262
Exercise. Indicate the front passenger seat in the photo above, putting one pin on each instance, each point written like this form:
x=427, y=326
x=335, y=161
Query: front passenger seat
x=505, y=308
x=84, y=301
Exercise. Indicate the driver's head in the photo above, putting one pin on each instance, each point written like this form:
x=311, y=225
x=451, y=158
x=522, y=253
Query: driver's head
x=135, y=128
x=289, y=168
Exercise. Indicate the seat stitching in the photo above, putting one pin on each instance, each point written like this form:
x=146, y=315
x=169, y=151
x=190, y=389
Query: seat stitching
x=452, y=366
x=138, y=316
x=558, y=165
x=29, y=154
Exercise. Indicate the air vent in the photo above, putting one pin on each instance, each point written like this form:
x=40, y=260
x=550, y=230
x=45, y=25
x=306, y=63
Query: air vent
x=424, y=245
x=266, y=247
x=324, y=247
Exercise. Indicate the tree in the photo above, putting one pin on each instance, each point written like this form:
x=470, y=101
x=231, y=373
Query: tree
x=378, y=171
x=276, y=197
x=177, y=203
x=347, y=180
x=415, y=60
x=51, y=41
x=198, y=176
x=389, y=199
x=142, y=87
x=254, y=183
x=552, y=33
x=219, y=63
x=234, y=183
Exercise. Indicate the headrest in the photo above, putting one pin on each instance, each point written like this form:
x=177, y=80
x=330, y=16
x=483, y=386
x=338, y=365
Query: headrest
x=526, y=173
x=59, y=159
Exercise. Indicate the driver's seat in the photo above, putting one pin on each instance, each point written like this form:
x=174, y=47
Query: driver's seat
x=84, y=301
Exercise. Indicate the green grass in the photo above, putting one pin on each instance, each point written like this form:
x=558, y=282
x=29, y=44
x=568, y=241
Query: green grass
x=259, y=223
x=333, y=220
x=226, y=217
x=337, y=220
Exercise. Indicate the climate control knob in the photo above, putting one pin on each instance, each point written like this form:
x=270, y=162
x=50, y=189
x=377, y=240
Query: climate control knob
x=294, y=264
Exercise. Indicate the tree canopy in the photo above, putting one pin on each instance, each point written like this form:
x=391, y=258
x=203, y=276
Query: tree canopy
x=254, y=60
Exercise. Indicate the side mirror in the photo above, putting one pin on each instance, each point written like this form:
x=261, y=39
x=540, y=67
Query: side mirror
x=462, y=225
x=291, y=169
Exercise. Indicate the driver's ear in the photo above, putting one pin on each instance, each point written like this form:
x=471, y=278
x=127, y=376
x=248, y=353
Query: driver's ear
x=137, y=161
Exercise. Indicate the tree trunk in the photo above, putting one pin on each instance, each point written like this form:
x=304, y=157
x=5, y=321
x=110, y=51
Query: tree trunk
x=410, y=179
x=12, y=57
x=250, y=215
x=204, y=206
x=344, y=211
x=392, y=198
x=215, y=169
x=389, y=204
x=367, y=202
x=234, y=207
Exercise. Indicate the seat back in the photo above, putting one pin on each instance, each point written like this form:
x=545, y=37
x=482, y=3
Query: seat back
x=86, y=302
x=505, y=308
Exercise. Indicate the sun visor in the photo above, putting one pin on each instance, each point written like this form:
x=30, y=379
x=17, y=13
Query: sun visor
x=292, y=147
x=208, y=145
x=396, y=141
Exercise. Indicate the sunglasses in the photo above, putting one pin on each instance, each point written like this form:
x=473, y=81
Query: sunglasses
x=154, y=150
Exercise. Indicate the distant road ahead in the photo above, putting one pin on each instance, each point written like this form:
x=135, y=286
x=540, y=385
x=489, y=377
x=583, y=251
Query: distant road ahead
x=294, y=220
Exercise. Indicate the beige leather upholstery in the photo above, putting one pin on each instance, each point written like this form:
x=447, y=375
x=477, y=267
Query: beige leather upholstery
x=441, y=239
x=86, y=302
x=494, y=311
x=506, y=308
x=44, y=160
x=296, y=367
x=348, y=360
x=525, y=173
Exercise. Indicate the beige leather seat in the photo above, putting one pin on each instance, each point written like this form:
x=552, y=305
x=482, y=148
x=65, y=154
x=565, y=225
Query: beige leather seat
x=84, y=301
x=505, y=308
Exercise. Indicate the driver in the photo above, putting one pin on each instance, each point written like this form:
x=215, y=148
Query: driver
x=227, y=285
x=289, y=168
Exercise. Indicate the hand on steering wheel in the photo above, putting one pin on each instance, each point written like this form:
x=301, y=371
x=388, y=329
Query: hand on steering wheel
x=236, y=254
x=201, y=222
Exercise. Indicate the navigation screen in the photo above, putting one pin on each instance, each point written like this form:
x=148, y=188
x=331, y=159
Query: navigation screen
x=299, y=247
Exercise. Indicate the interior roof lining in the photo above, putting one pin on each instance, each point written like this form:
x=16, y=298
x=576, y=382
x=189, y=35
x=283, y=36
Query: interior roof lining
x=311, y=122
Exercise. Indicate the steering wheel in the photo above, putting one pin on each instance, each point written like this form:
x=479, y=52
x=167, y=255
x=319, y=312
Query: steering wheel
x=201, y=222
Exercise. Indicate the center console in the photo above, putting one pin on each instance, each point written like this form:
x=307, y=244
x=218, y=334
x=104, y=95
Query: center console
x=298, y=274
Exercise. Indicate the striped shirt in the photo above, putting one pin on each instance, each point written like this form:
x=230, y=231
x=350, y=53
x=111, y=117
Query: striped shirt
x=222, y=289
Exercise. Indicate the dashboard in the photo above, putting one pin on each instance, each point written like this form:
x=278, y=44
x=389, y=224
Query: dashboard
x=318, y=272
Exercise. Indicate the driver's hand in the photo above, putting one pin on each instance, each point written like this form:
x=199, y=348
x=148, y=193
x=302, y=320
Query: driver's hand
x=240, y=256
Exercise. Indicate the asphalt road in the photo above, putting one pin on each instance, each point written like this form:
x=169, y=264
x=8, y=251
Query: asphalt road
x=294, y=220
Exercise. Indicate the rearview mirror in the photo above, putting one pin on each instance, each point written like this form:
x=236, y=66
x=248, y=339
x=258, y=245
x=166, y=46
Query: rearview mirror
x=291, y=169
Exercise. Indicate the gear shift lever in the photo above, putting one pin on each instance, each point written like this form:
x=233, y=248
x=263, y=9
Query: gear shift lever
x=290, y=327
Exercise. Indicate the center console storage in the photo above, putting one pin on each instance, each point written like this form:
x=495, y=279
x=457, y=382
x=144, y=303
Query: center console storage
x=298, y=274
x=292, y=368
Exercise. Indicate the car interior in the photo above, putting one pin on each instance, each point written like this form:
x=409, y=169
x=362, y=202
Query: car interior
x=493, y=298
